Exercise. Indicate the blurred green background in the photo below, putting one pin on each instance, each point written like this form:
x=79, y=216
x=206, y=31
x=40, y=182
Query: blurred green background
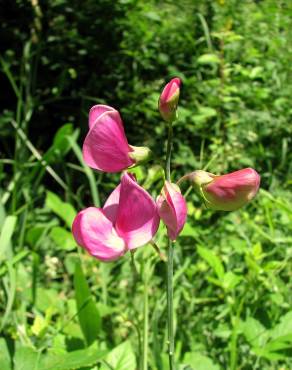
x=61, y=309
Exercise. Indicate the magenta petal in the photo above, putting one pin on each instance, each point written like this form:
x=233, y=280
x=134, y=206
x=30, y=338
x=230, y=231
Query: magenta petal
x=93, y=231
x=168, y=100
x=110, y=207
x=96, y=111
x=170, y=89
x=172, y=209
x=137, y=218
x=106, y=147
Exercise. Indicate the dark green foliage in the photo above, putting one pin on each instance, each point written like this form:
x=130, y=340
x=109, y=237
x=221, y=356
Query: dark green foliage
x=232, y=270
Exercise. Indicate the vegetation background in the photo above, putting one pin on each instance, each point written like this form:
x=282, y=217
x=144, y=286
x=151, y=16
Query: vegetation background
x=61, y=309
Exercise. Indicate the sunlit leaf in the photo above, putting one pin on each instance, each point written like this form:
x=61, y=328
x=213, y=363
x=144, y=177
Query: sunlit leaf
x=88, y=314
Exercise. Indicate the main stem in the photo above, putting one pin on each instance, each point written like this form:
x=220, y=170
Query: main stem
x=146, y=319
x=168, y=152
x=169, y=265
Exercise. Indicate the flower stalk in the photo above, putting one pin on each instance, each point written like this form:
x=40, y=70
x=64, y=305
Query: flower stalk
x=169, y=263
x=146, y=317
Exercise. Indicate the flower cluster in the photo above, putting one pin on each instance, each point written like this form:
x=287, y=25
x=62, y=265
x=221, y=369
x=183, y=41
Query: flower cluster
x=130, y=217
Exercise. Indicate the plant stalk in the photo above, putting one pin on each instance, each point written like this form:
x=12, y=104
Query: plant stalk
x=170, y=305
x=145, y=324
x=169, y=264
x=168, y=151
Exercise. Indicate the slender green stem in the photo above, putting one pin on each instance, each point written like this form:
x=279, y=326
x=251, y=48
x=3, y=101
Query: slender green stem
x=37, y=155
x=146, y=323
x=158, y=251
x=169, y=265
x=188, y=191
x=137, y=278
x=168, y=152
x=235, y=319
x=170, y=305
x=134, y=267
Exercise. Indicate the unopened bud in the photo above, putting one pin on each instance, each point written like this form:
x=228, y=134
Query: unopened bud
x=227, y=192
x=172, y=209
x=168, y=100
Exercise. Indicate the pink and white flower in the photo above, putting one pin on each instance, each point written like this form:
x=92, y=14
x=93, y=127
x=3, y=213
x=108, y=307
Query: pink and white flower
x=128, y=220
x=106, y=147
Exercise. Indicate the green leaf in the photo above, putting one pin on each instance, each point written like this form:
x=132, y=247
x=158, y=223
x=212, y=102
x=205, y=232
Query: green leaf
x=270, y=351
x=88, y=314
x=2, y=213
x=284, y=327
x=5, y=362
x=199, y=362
x=60, y=141
x=213, y=261
x=208, y=59
x=16, y=259
x=272, y=356
x=25, y=358
x=189, y=231
x=154, y=174
x=6, y=234
x=60, y=146
x=64, y=210
x=34, y=233
x=256, y=72
x=11, y=285
x=255, y=333
x=231, y=280
x=204, y=114
x=63, y=238
x=71, y=360
x=283, y=342
x=121, y=358
x=48, y=298
x=40, y=323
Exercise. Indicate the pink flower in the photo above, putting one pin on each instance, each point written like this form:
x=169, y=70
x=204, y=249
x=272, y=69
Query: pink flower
x=172, y=209
x=227, y=192
x=106, y=146
x=128, y=220
x=169, y=99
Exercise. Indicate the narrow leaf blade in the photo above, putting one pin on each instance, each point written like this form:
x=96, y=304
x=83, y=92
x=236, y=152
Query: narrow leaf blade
x=88, y=314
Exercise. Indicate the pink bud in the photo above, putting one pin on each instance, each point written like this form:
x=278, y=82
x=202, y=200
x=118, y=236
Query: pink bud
x=172, y=209
x=106, y=147
x=227, y=192
x=169, y=99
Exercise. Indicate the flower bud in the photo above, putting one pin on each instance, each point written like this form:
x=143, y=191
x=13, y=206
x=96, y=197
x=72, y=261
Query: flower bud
x=227, y=192
x=169, y=99
x=172, y=209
